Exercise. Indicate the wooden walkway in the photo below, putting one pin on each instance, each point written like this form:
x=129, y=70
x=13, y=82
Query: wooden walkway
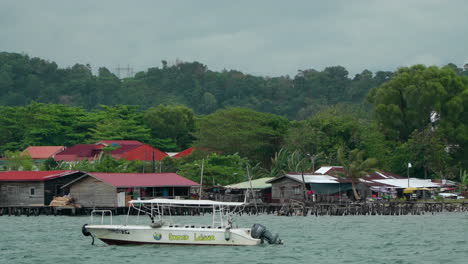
x=290, y=209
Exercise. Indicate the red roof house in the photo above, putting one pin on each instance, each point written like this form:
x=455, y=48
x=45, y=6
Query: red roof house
x=143, y=179
x=33, y=175
x=79, y=152
x=143, y=152
x=124, y=149
x=97, y=189
x=43, y=152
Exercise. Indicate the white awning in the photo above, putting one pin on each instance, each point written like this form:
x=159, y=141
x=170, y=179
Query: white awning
x=413, y=182
x=308, y=178
x=185, y=202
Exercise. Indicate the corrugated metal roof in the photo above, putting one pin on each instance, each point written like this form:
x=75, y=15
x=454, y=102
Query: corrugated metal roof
x=313, y=178
x=121, y=149
x=328, y=169
x=376, y=179
x=403, y=183
x=143, y=179
x=78, y=152
x=128, y=151
x=256, y=184
x=144, y=152
x=33, y=175
x=380, y=175
x=43, y=152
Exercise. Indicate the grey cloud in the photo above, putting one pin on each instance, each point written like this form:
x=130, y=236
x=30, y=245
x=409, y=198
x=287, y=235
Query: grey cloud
x=259, y=37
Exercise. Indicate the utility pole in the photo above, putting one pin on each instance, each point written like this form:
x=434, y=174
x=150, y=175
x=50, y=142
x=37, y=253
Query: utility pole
x=407, y=172
x=304, y=188
x=201, y=180
x=251, y=189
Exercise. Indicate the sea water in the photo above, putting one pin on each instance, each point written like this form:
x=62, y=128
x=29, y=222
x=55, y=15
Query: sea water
x=440, y=238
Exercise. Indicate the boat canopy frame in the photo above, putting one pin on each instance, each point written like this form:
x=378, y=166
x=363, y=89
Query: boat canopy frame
x=154, y=208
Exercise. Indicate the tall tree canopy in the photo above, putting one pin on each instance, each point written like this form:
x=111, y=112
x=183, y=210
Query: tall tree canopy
x=42, y=124
x=417, y=96
x=119, y=122
x=252, y=134
x=174, y=122
x=332, y=128
x=420, y=96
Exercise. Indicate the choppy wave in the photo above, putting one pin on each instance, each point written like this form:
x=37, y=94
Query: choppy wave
x=439, y=238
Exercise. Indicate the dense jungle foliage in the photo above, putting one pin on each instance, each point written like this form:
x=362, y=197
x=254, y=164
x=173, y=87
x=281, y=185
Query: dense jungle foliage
x=24, y=79
x=417, y=114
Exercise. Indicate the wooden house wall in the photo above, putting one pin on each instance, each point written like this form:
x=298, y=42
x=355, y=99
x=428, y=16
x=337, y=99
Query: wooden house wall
x=18, y=193
x=53, y=187
x=283, y=190
x=91, y=192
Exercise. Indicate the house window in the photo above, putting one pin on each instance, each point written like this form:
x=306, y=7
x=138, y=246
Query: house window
x=32, y=191
x=297, y=190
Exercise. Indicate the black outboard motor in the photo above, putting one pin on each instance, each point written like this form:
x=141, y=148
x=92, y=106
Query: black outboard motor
x=87, y=233
x=260, y=232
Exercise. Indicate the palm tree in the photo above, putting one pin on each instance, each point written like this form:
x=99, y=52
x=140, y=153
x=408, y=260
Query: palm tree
x=286, y=161
x=355, y=167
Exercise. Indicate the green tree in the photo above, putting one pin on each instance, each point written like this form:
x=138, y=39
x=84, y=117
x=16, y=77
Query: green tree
x=428, y=151
x=304, y=137
x=279, y=163
x=168, y=164
x=40, y=125
x=463, y=180
x=355, y=166
x=209, y=103
x=175, y=122
x=217, y=169
x=119, y=122
x=254, y=135
x=417, y=96
x=106, y=163
x=49, y=164
x=15, y=160
x=329, y=129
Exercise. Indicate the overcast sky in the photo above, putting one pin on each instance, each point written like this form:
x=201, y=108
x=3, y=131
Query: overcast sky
x=258, y=37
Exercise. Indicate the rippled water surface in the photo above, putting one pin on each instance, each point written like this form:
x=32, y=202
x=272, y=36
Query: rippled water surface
x=439, y=238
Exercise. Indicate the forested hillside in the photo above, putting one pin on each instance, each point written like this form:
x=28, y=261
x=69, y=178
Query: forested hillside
x=24, y=79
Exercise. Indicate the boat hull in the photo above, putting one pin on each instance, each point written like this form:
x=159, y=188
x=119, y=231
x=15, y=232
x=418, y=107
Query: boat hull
x=172, y=235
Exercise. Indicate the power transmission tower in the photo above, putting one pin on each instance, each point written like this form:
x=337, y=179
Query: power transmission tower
x=124, y=72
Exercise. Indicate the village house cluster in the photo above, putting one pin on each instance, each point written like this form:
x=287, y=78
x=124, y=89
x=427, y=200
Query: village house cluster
x=119, y=149
x=112, y=190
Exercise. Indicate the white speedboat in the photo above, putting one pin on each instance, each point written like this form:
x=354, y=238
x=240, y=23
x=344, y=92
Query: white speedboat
x=162, y=230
